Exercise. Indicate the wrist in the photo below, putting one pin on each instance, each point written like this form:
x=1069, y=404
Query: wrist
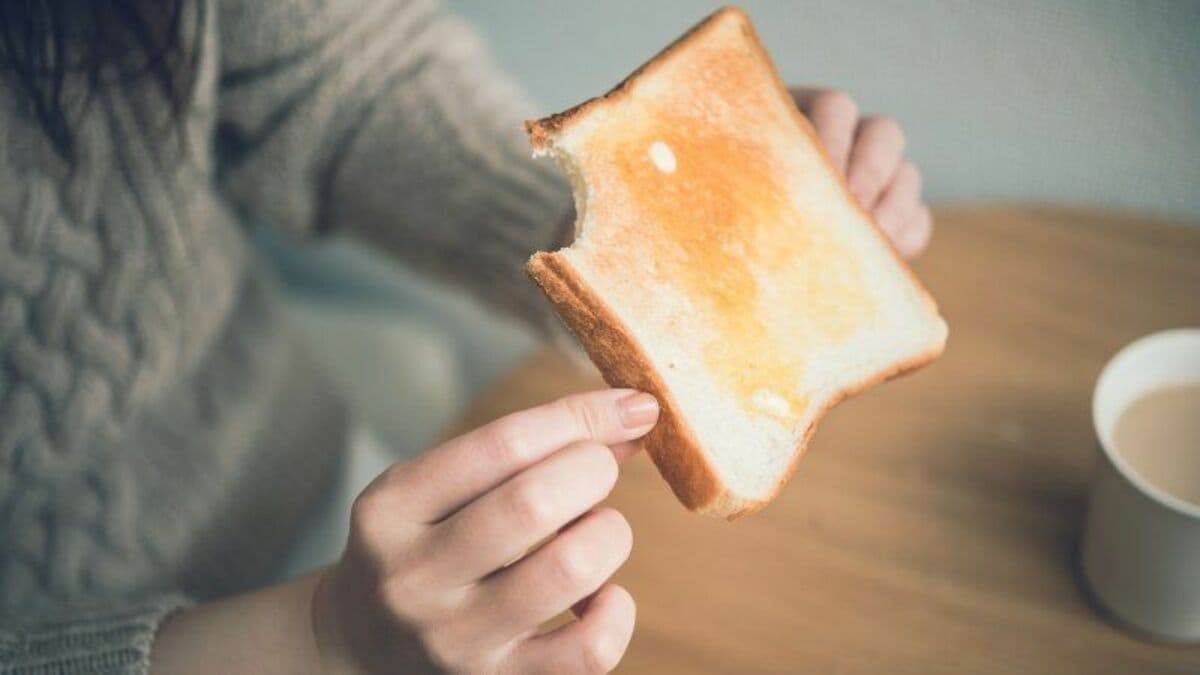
x=328, y=647
x=265, y=631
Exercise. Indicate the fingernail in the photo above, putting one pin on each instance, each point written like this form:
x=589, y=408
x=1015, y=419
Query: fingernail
x=637, y=410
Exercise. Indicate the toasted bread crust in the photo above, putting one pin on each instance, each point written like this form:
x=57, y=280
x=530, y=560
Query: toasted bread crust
x=621, y=360
x=624, y=363
x=896, y=370
x=542, y=131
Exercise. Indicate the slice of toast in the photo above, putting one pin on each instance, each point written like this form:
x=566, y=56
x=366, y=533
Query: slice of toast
x=721, y=263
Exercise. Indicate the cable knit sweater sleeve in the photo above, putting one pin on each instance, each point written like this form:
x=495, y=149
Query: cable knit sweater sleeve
x=114, y=640
x=384, y=117
x=387, y=118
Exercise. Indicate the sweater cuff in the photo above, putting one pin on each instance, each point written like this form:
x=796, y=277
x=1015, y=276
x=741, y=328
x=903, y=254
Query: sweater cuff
x=113, y=642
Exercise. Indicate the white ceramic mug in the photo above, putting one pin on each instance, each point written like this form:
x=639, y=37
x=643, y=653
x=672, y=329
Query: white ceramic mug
x=1140, y=553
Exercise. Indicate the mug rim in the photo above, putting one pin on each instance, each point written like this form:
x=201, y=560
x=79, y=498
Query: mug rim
x=1167, y=500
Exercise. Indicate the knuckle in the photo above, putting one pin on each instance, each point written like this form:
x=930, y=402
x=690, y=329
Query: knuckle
x=365, y=507
x=366, y=515
x=600, y=652
x=887, y=126
x=508, y=440
x=571, y=567
x=836, y=102
x=530, y=506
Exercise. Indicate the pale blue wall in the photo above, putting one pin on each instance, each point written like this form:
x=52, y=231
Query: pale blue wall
x=1077, y=101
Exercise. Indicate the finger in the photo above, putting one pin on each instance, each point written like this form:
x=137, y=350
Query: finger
x=503, y=524
x=593, y=644
x=900, y=202
x=834, y=115
x=441, y=481
x=877, y=153
x=916, y=236
x=570, y=567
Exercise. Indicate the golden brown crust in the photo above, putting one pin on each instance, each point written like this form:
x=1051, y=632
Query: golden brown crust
x=621, y=360
x=896, y=370
x=623, y=363
x=739, y=508
x=807, y=128
x=541, y=131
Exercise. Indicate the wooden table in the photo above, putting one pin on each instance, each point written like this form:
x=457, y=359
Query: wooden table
x=932, y=526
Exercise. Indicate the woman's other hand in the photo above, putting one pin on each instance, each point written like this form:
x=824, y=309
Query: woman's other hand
x=869, y=151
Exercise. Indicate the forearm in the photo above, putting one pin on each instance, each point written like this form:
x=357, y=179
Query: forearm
x=388, y=120
x=472, y=216
x=266, y=631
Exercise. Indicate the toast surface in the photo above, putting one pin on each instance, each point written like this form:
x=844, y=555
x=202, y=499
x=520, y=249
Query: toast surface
x=722, y=264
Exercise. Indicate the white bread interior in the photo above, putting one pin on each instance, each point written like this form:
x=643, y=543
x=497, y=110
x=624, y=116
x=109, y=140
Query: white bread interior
x=728, y=252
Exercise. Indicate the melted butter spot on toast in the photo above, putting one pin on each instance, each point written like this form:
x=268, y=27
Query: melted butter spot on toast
x=772, y=403
x=717, y=222
x=662, y=157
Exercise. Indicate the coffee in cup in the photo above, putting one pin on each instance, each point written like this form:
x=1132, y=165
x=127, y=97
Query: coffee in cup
x=1140, y=550
x=1158, y=435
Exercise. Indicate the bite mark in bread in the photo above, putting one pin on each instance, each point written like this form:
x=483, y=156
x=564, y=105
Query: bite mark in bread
x=711, y=216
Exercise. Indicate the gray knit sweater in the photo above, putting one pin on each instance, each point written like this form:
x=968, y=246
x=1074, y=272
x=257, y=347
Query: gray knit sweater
x=161, y=433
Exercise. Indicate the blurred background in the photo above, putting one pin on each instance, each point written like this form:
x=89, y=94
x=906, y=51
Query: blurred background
x=1074, y=102
x=1083, y=101
x=953, y=551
